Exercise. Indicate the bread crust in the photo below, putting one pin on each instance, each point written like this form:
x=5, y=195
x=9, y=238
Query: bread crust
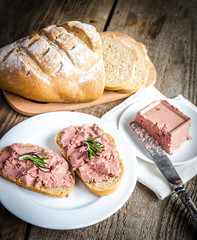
x=60, y=63
x=105, y=187
x=54, y=192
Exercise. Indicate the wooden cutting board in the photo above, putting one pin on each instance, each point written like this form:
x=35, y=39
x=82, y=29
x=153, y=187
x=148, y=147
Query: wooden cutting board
x=30, y=108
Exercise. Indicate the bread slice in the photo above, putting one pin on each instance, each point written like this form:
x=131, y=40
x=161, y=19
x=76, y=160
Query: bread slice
x=142, y=66
x=119, y=62
x=102, y=188
x=54, y=192
x=142, y=63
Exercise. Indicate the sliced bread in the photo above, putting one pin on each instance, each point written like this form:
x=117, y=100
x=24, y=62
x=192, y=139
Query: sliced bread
x=23, y=172
x=119, y=62
x=142, y=65
x=101, y=188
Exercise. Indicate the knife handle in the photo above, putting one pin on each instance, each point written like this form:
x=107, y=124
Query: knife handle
x=180, y=190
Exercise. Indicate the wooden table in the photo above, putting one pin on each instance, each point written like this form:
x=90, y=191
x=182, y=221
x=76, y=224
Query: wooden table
x=168, y=29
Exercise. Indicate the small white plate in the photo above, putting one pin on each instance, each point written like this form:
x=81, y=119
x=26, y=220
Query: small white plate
x=188, y=150
x=81, y=208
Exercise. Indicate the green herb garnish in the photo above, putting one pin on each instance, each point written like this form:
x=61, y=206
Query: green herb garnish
x=92, y=147
x=38, y=161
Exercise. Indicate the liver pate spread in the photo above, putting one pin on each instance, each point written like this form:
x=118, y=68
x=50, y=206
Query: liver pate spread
x=102, y=167
x=30, y=175
x=165, y=123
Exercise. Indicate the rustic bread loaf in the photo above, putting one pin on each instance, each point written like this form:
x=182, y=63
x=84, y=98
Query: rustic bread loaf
x=142, y=63
x=26, y=169
x=119, y=61
x=60, y=63
x=101, y=188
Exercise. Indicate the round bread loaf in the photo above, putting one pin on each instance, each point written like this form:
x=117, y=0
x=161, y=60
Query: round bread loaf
x=60, y=63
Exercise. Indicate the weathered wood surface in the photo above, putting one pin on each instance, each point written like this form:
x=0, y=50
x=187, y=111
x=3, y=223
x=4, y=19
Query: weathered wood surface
x=168, y=29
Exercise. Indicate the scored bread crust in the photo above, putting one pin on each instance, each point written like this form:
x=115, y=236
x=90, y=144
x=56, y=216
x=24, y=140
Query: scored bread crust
x=142, y=64
x=54, y=192
x=101, y=188
x=60, y=63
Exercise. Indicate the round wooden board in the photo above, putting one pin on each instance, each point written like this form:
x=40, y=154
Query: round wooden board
x=30, y=108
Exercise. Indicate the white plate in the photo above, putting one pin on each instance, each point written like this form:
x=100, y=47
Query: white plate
x=188, y=150
x=81, y=208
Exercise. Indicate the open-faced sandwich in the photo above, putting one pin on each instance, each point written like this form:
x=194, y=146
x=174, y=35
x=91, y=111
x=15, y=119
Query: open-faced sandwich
x=36, y=168
x=94, y=156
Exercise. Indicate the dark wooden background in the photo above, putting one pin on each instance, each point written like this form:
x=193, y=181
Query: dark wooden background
x=168, y=29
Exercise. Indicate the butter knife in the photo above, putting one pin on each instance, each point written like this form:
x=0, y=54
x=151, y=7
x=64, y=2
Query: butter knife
x=165, y=166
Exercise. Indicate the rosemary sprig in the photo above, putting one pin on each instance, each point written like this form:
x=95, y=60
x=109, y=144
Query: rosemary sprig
x=92, y=147
x=38, y=161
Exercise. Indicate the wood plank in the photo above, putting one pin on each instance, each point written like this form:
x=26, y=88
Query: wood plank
x=22, y=18
x=11, y=227
x=168, y=30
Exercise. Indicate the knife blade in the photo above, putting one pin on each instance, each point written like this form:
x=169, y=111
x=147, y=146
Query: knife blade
x=165, y=166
